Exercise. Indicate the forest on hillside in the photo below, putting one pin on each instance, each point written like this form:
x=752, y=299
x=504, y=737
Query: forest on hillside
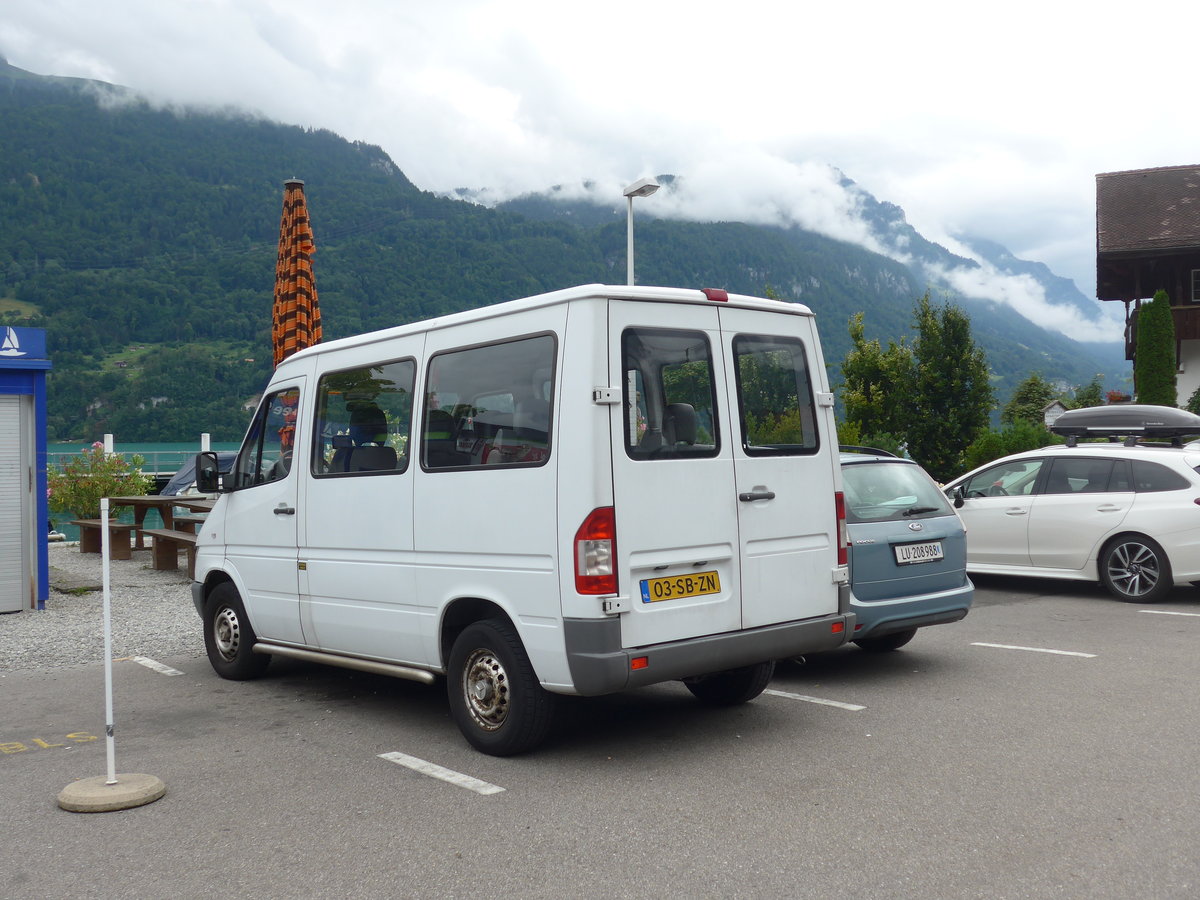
x=143, y=239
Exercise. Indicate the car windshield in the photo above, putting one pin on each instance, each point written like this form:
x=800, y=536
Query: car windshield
x=882, y=491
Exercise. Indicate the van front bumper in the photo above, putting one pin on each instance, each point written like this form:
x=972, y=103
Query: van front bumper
x=599, y=665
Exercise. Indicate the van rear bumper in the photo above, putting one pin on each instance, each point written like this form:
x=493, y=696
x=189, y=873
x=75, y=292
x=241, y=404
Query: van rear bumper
x=599, y=665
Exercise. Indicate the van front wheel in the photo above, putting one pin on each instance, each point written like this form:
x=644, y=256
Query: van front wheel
x=494, y=694
x=229, y=637
x=732, y=687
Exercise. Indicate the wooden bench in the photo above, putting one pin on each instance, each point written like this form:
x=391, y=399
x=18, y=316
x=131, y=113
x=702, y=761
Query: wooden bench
x=167, y=543
x=90, y=538
x=189, y=523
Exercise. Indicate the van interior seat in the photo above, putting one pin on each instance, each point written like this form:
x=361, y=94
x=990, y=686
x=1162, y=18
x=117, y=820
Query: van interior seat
x=531, y=420
x=370, y=459
x=679, y=424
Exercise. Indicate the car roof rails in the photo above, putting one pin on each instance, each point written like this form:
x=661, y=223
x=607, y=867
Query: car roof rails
x=866, y=451
x=1131, y=421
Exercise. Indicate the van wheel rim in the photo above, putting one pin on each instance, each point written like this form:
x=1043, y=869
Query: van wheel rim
x=485, y=689
x=1133, y=569
x=227, y=633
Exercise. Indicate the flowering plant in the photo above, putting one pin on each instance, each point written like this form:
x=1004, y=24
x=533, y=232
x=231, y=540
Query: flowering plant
x=1117, y=397
x=79, y=484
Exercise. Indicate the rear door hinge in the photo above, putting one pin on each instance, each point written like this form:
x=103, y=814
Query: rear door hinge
x=606, y=395
x=614, y=606
x=824, y=399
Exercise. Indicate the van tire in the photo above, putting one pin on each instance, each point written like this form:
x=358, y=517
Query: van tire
x=887, y=642
x=733, y=686
x=229, y=637
x=494, y=694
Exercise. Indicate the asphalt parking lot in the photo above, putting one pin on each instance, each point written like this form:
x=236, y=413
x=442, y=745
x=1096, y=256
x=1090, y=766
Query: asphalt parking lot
x=1042, y=747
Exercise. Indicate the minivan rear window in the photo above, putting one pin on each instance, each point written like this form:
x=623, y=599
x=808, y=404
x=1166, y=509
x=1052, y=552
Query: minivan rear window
x=886, y=491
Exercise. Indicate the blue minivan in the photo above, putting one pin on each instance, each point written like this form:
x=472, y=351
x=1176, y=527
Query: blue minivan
x=908, y=550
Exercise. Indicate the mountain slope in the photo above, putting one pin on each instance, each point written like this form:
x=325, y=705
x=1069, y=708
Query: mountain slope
x=141, y=236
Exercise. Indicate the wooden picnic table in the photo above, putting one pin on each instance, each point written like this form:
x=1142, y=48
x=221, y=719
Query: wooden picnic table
x=166, y=509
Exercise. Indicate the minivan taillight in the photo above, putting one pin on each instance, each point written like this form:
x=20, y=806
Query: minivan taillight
x=596, y=553
x=843, y=537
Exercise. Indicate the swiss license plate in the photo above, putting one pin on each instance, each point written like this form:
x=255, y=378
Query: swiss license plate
x=911, y=554
x=676, y=587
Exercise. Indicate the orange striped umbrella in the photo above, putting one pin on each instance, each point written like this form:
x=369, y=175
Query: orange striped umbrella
x=295, y=317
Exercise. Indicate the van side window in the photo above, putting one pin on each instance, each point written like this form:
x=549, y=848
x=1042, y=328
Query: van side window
x=778, y=414
x=266, y=453
x=489, y=405
x=363, y=420
x=670, y=400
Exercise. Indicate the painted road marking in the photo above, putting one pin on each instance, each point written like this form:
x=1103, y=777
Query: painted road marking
x=1035, y=650
x=853, y=707
x=1167, y=612
x=154, y=664
x=433, y=770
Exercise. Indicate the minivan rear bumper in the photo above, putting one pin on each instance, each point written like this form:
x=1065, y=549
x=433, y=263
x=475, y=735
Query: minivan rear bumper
x=599, y=665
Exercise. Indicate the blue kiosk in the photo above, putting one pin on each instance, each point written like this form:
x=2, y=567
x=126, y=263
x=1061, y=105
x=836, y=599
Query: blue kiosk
x=24, y=518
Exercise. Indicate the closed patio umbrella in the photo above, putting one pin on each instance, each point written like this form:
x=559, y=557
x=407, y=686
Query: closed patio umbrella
x=296, y=317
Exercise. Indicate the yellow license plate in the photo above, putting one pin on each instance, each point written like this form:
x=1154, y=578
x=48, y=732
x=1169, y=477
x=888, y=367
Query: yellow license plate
x=676, y=587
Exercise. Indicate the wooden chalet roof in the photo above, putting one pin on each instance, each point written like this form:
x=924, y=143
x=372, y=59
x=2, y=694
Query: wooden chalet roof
x=1148, y=210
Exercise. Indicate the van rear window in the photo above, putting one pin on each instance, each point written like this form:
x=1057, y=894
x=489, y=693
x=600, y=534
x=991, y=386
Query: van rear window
x=778, y=414
x=670, y=400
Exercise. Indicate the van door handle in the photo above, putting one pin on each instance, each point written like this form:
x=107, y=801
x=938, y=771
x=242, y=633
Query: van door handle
x=751, y=496
x=284, y=510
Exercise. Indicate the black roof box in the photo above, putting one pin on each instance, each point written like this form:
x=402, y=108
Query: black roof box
x=1127, y=420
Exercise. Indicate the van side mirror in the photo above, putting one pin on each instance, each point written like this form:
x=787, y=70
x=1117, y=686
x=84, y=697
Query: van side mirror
x=208, y=473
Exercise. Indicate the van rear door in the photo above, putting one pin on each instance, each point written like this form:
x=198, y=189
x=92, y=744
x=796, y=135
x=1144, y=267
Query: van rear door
x=673, y=480
x=785, y=466
x=723, y=480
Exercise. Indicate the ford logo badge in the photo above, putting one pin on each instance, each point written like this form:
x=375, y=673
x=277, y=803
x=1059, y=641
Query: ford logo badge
x=915, y=526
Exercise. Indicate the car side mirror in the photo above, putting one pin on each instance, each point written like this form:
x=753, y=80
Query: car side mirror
x=959, y=497
x=208, y=473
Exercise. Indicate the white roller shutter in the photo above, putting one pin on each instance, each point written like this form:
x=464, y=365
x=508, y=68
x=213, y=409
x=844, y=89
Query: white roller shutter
x=16, y=540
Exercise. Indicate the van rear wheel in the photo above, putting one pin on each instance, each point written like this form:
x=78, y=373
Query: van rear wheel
x=494, y=694
x=229, y=637
x=733, y=686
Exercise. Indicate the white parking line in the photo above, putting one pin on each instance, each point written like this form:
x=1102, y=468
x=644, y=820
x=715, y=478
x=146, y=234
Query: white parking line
x=154, y=664
x=1035, y=650
x=433, y=770
x=1167, y=612
x=853, y=707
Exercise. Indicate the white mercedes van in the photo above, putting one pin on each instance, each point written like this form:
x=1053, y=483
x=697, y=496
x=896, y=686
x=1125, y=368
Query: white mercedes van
x=576, y=493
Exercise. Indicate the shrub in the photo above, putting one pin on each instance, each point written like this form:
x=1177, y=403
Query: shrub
x=78, y=486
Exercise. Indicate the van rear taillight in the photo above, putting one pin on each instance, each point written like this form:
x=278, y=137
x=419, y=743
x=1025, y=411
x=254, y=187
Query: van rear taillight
x=596, y=553
x=843, y=537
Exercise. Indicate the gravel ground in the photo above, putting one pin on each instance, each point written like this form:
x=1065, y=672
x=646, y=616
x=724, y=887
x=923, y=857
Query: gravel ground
x=152, y=614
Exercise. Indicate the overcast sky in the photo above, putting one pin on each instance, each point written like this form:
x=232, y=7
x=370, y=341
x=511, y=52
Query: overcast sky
x=987, y=118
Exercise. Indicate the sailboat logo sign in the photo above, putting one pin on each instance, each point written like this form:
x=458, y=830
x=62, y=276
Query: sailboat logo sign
x=10, y=346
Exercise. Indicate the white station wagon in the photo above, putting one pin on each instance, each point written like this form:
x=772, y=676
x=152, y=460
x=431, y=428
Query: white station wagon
x=1123, y=512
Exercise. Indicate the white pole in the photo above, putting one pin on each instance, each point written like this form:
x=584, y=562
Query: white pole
x=205, y=442
x=108, y=445
x=105, y=542
x=629, y=241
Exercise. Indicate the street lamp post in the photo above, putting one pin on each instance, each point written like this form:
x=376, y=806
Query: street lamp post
x=643, y=187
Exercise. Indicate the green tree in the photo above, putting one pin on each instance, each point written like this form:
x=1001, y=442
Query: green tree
x=1090, y=394
x=875, y=383
x=1028, y=401
x=1154, y=366
x=951, y=396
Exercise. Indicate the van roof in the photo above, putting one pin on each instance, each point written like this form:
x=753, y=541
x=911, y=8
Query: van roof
x=553, y=298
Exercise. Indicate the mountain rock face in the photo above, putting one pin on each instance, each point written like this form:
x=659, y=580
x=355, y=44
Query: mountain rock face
x=143, y=239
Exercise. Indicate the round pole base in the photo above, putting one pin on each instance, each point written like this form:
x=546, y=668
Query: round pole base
x=96, y=795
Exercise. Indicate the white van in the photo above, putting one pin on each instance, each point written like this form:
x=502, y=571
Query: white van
x=576, y=493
